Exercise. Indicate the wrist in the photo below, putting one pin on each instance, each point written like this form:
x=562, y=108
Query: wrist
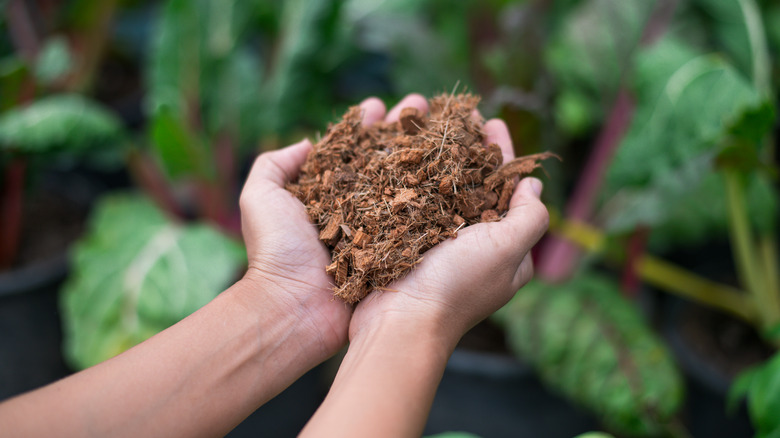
x=410, y=326
x=307, y=316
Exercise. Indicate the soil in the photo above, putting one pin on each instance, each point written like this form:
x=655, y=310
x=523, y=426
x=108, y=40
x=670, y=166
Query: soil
x=732, y=346
x=385, y=194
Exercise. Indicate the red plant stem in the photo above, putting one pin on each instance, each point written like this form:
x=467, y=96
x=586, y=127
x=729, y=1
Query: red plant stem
x=91, y=45
x=22, y=28
x=211, y=203
x=11, y=207
x=636, y=250
x=149, y=178
x=225, y=157
x=558, y=258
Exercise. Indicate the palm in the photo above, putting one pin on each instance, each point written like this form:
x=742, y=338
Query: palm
x=283, y=247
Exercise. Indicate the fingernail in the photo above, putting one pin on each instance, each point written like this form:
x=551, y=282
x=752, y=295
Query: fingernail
x=536, y=186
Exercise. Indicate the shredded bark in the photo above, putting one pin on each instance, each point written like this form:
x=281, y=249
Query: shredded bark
x=383, y=195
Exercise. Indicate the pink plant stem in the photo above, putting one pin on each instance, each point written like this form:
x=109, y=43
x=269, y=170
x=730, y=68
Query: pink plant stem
x=22, y=28
x=149, y=178
x=11, y=207
x=636, y=248
x=225, y=157
x=558, y=258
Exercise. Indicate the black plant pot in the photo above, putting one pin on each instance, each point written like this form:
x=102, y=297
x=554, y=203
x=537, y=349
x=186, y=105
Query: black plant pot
x=707, y=383
x=30, y=329
x=493, y=396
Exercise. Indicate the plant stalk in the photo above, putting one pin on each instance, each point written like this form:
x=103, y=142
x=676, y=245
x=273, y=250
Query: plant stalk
x=92, y=44
x=558, y=258
x=11, y=208
x=745, y=251
x=660, y=273
x=22, y=29
x=148, y=177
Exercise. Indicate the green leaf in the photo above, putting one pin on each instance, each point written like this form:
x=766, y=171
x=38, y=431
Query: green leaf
x=12, y=74
x=310, y=36
x=180, y=151
x=136, y=273
x=200, y=69
x=691, y=108
x=592, y=49
x=590, y=344
x=761, y=385
x=63, y=122
x=429, y=41
x=594, y=435
x=54, y=60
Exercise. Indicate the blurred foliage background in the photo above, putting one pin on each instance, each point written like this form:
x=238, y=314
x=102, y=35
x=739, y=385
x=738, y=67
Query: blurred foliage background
x=664, y=112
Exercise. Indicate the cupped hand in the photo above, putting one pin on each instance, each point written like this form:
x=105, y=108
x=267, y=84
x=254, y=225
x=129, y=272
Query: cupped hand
x=463, y=280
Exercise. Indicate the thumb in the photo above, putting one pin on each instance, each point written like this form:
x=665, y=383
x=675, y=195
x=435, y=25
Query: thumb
x=527, y=217
x=281, y=166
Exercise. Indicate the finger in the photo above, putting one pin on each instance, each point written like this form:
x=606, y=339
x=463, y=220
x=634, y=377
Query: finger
x=410, y=101
x=524, y=272
x=373, y=111
x=280, y=166
x=527, y=218
x=497, y=132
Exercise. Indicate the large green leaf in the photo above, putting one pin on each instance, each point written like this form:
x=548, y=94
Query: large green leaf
x=691, y=108
x=199, y=69
x=309, y=47
x=761, y=386
x=181, y=152
x=590, y=344
x=63, y=122
x=135, y=273
x=429, y=41
x=590, y=53
x=54, y=61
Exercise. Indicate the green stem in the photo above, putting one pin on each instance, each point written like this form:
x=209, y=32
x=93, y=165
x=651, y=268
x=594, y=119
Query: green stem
x=660, y=273
x=770, y=265
x=677, y=280
x=745, y=251
x=758, y=46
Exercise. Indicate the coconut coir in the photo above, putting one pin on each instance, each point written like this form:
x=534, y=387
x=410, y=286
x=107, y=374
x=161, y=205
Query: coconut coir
x=382, y=195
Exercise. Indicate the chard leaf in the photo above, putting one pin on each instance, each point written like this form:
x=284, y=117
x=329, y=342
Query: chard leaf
x=199, y=64
x=136, y=273
x=54, y=61
x=695, y=112
x=297, y=85
x=66, y=122
x=181, y=152
x=430, y=46
x=761, y=386
x=590, y=53
x=590, y=344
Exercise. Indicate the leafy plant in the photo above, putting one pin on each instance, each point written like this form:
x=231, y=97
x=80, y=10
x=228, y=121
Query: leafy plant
x=594, y=347
x=42, y=117
x=136, y=273
x=687, y=150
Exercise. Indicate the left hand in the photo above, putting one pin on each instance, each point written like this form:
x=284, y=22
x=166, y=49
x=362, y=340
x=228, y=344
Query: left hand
x=463, y=280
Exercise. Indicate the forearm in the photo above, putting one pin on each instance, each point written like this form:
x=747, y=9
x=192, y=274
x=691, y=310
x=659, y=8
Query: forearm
x=200, y=377
x=386, y=384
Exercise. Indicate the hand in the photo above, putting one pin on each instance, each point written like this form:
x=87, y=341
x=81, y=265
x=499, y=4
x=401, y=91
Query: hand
x=283, y=246
x=284, y=250
x=463, y=280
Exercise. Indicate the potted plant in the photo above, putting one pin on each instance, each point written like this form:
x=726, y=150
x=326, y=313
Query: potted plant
x=47, y=124
x=684, y=156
